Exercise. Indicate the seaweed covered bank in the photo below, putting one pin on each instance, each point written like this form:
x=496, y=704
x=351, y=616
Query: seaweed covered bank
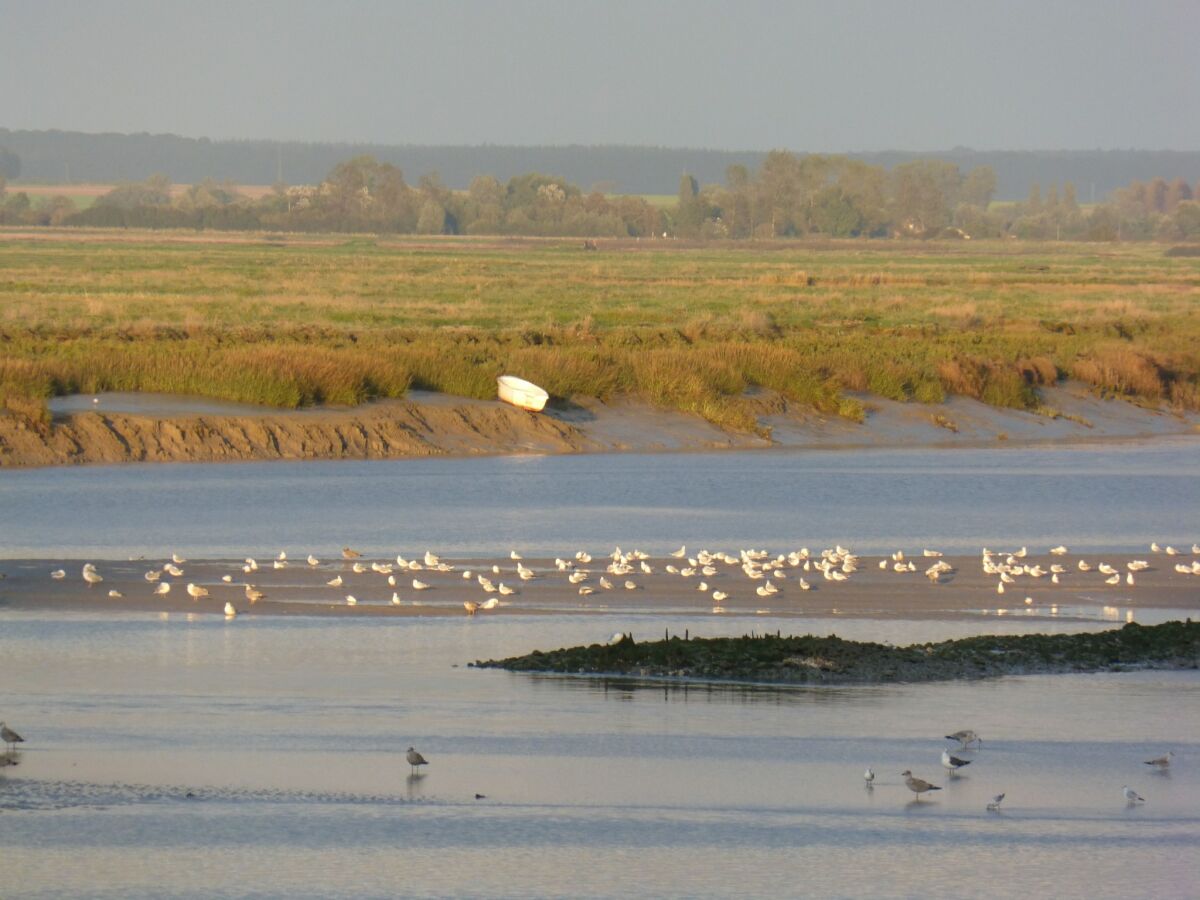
x=833, y=660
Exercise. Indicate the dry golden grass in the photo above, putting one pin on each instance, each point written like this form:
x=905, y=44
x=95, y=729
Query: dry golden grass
x=291, y=321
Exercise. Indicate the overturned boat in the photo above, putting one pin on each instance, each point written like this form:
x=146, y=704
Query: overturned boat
x=522, y=393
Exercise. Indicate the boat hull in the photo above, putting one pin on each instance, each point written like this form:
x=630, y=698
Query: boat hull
x=522, y=393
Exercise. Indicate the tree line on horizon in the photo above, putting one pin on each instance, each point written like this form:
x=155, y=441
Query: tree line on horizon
x=787, y=196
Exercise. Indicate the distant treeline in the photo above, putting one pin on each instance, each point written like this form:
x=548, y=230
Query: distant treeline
x=787, y=196
x=65, y=157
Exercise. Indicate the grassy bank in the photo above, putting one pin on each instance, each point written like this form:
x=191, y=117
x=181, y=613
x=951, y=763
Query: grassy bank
x=832, y=660
x=290, y=321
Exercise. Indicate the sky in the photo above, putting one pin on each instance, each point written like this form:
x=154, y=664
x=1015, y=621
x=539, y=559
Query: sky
x=843, y=75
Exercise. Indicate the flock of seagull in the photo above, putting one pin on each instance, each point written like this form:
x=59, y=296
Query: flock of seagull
x=620, y=570
x=952, y=762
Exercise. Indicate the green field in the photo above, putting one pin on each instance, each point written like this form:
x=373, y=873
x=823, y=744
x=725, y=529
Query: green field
x=305, y=320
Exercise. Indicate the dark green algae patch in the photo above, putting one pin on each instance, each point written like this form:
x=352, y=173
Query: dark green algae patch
x=832, y=660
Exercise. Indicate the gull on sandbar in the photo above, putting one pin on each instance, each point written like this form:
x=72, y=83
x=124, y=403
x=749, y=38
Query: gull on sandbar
x=1131, y=795
x=1161, y=762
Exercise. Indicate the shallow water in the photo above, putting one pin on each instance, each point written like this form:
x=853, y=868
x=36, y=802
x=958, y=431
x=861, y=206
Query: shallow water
x=289, y=737
x=1097, y=497
x=188, y=756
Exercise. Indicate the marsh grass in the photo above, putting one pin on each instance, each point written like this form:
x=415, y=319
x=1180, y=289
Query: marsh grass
x=292, y=322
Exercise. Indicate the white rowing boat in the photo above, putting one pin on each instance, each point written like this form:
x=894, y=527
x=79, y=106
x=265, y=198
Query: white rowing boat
x=522, y=393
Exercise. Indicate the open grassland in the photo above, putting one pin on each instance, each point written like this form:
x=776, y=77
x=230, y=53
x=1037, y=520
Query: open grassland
x=291, y=321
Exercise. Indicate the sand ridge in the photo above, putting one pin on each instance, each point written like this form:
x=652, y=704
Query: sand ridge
x=963, y=591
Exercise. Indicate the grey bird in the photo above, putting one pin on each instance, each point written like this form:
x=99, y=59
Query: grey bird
x=415, y=759
x=1132, y=796
x=10, y=737
x=917, y=785
x=965, y=737
x=1161, y=762
x=996, y=801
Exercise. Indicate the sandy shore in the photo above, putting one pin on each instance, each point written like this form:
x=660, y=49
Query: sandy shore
x=871, y=592
x=144, y=428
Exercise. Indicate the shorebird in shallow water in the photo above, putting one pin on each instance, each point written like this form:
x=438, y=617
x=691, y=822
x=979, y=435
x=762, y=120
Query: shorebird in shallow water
x=1161, y=762
x=996, y=801
x=1131, y=795
x=917, y=785
x=415, y=759
x=964, y=737
x=869, y=776
x=10, y=737
x=953, y=763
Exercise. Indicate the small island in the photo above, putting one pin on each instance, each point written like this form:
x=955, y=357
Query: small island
x=772, y=658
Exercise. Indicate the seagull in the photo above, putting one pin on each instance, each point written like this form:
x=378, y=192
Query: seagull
x=395, y=599
x=177, y=559
x=313, y=561
x=228, y=579
x=680, y=553
x=91, y=576
x=116, y=595
x=153, y=575
x=996, y=801
x=1161, y=762
x=253, y=594
x=173, y=570
x=336, y=581
x=470, y=606
x=952, y=763
x=10, y=737
x=419, y=585
x=965, y=737
x=347, y=553
x=916, y=785
x=868, y=776
x=1132, y=796
x=230, y=611
x=415, y=759
x=58, y=574
x=351, y=600
x=163, y=588
x=196, y=592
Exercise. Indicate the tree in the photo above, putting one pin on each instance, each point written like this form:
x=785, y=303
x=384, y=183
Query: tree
x=691, y=211
x=1187, y=219
x=923, y=194
x=10, y=164
x=979, y=186
x=432, y=219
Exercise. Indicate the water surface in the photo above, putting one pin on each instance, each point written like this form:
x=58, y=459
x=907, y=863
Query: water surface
x=1099, y=497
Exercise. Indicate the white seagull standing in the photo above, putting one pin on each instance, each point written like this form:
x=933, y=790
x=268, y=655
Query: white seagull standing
x=1131, y=795
x=996, y=801
x=868, y=776
x=953, y=763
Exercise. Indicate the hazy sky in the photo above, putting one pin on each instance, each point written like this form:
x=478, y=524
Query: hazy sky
x=832, y=76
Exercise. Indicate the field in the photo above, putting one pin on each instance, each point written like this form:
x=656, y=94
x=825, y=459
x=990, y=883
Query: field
x=288, y=321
